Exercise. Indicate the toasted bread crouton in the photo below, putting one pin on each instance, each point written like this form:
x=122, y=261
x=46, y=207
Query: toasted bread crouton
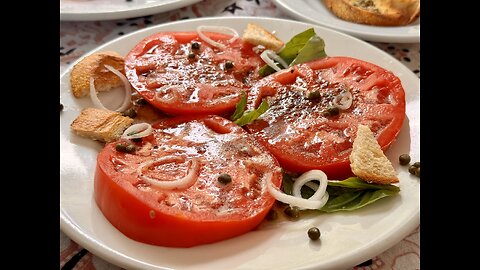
x=101, y=125
x=368, y=161
x=93, y=66
x=376, y=12
x=257, y=35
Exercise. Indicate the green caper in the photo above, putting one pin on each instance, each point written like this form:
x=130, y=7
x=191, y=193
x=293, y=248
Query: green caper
x=191, y=55
x=195, y=45
x=313, y=95
x=141, y=101
x=130, y=113
x=136, y=140
x=417, y=172
x=272, y=215
x=416, y=164
x=314, y=233
x=125, y=148
x=224, y=178
x=332, y=111
x=404, y=159
x=412, y=169
x=228, y=64
x=292, y=212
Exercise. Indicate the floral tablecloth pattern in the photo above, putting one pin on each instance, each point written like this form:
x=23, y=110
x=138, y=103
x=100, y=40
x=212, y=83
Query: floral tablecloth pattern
x=78, y=38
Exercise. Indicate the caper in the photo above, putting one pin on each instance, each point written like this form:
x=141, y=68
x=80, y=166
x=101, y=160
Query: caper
x=136, y=140
x=292, y=212
x=191, y=55
x=313, y=95
x=141, y=101
x=272, y=214
x=417, y=172
x=130, y=113
x=228, y=64
x=224, y=178
x=416, y=164
x=404, y=159
x=331, y=111
x=412, y=169
x=314, y=233
x=195, y=45
x=125, y=148
x=61, y=107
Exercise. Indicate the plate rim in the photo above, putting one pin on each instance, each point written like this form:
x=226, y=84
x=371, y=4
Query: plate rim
x=286, y=6
x=75, y=233
x=143, y=10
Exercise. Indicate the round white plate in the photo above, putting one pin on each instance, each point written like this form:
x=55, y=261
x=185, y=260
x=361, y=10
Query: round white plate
x=315, y=11
x=347, y=238
x=90, y=10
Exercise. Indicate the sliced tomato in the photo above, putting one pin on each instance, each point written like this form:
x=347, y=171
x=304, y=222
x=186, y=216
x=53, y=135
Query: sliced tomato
x=205, y=210
x=177, y=77
x=298, y=130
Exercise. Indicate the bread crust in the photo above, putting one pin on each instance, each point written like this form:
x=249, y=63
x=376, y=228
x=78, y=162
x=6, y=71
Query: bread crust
x=101, y=125
x=376, y=12
x=93, y=66
x=368, y=161
x=257, y=35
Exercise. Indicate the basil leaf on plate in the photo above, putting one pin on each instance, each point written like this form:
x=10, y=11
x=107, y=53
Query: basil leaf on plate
x=239, y=108
x=250, y=116
x=306, y=44
x=347, y=195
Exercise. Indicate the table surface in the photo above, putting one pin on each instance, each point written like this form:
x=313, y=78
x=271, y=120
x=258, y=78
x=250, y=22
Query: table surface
x=78, y=38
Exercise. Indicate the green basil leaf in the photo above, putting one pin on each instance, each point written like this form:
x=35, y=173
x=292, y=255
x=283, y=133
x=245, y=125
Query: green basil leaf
x=358, y=183
x=347, y=195
x=353, y=200
x=239, y=107
x=306, y=44
x=250, y=116
x=314, y=49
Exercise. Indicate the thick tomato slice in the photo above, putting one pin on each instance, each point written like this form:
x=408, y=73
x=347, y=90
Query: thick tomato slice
x=206, y=210
x=297, y=129
x=180, y=78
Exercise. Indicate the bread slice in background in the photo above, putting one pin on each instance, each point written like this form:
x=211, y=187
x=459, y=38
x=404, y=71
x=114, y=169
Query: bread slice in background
x=257, y=35
x=101, y=125
x=93, y=66
x=368, y=161
x=376, y=12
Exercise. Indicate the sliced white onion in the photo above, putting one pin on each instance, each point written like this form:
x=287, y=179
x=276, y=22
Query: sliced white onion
x=293, y=200
x=93, y=95
x=183, y=182
x=343, y=100
x=128, y=90
x=219, y=29
x=320, y=190
x=269, y=56
x=126, y=99
x=136, y=131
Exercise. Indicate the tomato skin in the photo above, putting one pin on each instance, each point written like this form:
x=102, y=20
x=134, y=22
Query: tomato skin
x=142, y=216
x=316, y=141
x=202, y=84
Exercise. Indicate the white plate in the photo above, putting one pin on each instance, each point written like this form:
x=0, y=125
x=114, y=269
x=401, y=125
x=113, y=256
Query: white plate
x=89, y=10
x=347, y=238
x=315, y=11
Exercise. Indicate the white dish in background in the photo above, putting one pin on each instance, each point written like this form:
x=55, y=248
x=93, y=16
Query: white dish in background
x=347, y=238
x=88, y=10
x=315, y=11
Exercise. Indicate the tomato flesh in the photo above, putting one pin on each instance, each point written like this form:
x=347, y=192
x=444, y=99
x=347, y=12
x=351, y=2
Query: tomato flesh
x=180, y=79
x=204, y=212
x=297, y=129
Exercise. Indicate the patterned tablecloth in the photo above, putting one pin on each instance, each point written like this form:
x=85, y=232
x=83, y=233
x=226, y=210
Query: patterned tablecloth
x=78, y=38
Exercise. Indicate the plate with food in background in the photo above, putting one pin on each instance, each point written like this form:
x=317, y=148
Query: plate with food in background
x=391, y=21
